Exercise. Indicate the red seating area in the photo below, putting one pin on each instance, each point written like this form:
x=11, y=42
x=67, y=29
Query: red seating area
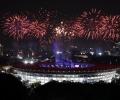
x=39, y=68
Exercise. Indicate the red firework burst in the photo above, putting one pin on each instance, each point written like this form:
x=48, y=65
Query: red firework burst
x=76, y=29
x=17, y=26
x=90, y=23
x=38, y=29
x=110, y=27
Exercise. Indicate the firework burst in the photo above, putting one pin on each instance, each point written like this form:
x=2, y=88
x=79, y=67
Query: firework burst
x=38, y=29
x=110, y=27
x=60, y=30
x=76, y=29
x=39, y=23
x=90, y=23
x=17, y=26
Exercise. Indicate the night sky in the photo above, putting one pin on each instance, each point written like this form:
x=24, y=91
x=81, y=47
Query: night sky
x=66, y=7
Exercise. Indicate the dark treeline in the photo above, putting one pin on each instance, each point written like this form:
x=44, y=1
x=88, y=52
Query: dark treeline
x=11, y=88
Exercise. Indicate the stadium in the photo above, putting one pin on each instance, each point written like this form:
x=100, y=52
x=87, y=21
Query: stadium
x=43, y=46
x=85, y=71
x=49, y=46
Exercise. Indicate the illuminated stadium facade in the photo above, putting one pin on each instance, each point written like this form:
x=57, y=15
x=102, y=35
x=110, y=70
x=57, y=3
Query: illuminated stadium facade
x=43, y=78
x=81, y=68
x=32, y=72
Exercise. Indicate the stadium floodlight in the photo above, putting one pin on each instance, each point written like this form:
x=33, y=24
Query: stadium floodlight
x=76, y=66
x=31, y=62
x=92, y=53
x=26, y=62
x=100, y=53
x=58, y=52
